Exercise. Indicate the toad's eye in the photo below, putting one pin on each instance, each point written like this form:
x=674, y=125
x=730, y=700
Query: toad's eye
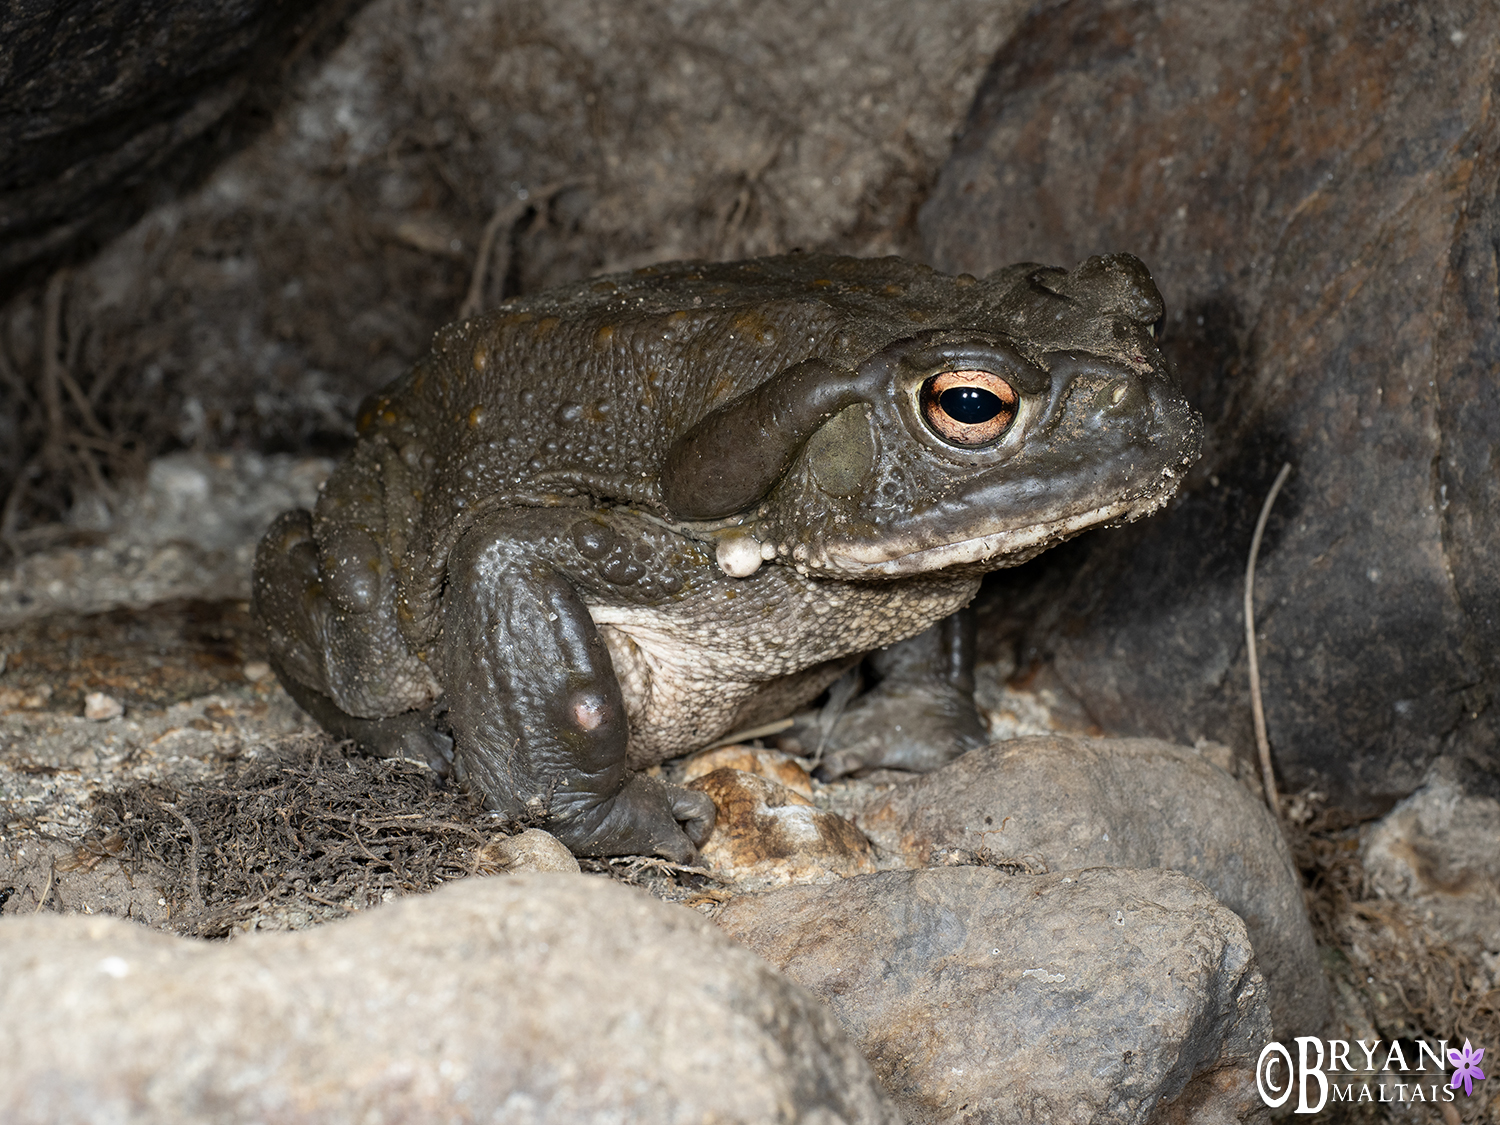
x=968, y=408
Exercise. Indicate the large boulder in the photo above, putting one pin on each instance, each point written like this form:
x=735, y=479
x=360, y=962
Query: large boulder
x=1314, y=189
x=103, y=102
x=1102, y=995
x=529, y=998
x=1053, y=803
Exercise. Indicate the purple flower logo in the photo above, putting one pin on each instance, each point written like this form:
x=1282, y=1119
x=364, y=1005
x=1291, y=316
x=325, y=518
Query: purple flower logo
x=1468, y=1072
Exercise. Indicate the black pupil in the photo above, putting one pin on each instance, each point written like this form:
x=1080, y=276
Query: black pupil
x=970, y=405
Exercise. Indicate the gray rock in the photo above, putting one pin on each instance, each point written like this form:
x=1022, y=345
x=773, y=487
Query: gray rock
x=106, y=100
x=1055, y=803
x=532, y=998
x=188, y=530
x=1439, y=852
x=1102, y=996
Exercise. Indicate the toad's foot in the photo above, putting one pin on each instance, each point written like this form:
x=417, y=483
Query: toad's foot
x=413, y=735
x=647, y=817
x=902, y=727
x=921, y=715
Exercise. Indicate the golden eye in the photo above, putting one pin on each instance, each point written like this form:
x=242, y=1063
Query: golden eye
x=968, y=408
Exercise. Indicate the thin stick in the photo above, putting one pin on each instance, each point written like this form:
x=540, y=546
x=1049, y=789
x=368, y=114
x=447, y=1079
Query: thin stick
x=47, y=890
x=192, y=857
x=1262, y=743
x=51, y=360
x=762, y=731
x=12, y=506
x=507, y=212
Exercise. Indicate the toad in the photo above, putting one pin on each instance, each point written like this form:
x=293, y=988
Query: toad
x=609, y=524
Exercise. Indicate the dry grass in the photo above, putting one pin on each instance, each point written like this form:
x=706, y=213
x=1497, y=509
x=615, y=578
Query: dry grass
x=312, y=833
x=1394, y=972
x=293, y=840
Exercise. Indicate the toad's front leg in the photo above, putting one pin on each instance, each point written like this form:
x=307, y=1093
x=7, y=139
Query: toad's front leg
x=536, y=711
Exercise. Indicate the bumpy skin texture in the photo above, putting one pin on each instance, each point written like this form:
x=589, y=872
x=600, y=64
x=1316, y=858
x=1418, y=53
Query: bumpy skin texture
x=606, y=525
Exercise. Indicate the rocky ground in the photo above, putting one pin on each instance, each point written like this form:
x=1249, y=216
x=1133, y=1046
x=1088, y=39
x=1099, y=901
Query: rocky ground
x=152, y=769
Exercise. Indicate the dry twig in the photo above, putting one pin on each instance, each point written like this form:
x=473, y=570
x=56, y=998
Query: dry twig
x=508, y=212
x=1257, y=711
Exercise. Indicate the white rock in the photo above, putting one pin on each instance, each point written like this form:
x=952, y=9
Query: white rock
x=100, y=707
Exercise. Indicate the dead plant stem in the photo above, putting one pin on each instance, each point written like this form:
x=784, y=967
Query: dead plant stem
x=47, y=890
x=1257, y=710
x=192, y=858
x=508, y=212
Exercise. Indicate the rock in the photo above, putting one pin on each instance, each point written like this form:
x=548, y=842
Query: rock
x=105, y=98
x=531, y=850
x=99, y=707
x=188, y=531
x=769, y=835
x=257, y=671
x=1057, y=803
x=1439, y=852
x=537, y=998
x=1313, y=187
x=1101, y=995
x=770, y=764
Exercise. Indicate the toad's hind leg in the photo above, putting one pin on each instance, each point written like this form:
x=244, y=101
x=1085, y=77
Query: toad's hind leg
x=319, y=652
x=537, y=713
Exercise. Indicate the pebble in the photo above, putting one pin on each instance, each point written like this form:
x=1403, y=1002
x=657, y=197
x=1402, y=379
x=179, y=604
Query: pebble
x=100, y=707
x=257, y=671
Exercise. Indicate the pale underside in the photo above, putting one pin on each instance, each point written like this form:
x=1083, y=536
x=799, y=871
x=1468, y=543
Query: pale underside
x=688, y=679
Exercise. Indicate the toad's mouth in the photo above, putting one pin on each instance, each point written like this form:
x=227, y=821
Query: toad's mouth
x=1009, y=546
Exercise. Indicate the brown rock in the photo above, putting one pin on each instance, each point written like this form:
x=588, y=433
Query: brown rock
x=537, y=998
x=1053, y=803
x=772, y=765
x=769, y=835
x=1313, y=187
x=1097, y=995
